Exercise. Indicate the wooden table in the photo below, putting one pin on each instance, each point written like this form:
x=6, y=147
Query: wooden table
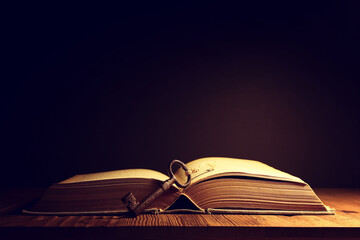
x=345, y=224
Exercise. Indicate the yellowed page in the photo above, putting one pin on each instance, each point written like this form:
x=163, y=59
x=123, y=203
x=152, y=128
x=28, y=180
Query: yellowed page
x=212, y=166
x=118, y=174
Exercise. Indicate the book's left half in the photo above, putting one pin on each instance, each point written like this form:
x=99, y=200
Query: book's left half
x=101, y=193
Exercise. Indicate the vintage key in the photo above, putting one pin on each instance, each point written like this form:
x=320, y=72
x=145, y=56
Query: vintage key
x=136, y=208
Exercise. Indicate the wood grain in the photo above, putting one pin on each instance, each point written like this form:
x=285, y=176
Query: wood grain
x=345, y=223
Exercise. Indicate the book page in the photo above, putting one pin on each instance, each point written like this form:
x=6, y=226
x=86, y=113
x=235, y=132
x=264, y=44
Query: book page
x=118, y=174
x=221, y=166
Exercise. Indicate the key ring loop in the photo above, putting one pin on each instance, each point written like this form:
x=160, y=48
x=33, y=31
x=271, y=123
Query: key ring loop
x=186, y=169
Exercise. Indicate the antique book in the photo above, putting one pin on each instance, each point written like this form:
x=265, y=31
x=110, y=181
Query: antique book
x=219, y=185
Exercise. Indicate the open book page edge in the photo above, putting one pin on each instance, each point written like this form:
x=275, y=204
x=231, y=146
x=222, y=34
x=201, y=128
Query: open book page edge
x=76, y=213
x=208, y=211
x=117, y=174
x=329, y=211
x=114, y=212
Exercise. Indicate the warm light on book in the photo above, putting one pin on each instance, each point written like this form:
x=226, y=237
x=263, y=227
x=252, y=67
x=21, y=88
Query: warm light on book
x=219, y=185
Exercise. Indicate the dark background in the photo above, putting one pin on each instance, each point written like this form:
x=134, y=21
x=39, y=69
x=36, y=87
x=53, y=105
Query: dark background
x=89, y=88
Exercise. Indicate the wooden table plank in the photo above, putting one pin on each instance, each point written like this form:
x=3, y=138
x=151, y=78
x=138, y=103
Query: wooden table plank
x=344, y=224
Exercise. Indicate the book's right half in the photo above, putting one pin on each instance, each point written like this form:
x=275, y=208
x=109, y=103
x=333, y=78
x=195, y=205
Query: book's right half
x=228, y=185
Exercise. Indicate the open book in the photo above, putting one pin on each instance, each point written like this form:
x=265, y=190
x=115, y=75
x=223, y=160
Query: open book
x=219, y=185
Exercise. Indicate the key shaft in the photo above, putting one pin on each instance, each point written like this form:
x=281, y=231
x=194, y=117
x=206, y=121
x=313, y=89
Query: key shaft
x=152, y=197
x=136, y=208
